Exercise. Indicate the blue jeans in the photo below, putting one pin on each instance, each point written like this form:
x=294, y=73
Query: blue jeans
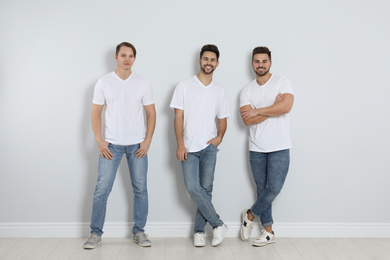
x=198, y=171
x=269, y=171
x=138, y=168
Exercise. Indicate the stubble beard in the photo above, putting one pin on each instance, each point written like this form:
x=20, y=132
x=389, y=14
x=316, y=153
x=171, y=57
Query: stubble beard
x=207, y=73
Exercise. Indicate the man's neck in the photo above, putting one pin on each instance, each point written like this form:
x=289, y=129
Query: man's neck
x=261, y=80
x=123, y=74
x=206, y=79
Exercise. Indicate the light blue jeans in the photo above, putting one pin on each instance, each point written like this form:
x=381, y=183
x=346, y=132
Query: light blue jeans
x=269, y=171
x=198, y=171
x=138, y=168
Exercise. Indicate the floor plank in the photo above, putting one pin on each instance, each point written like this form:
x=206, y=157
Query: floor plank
x=351, y=249
x=20, y=249
x=6, y=244
x=43, y=249
x=267, y=252
x=372, y=248
x=183, y=249
x=384, y=242
x=222, y=251
x=330, y=249
x=175, y=248
x=130, y=250
x=156, y=251
x=242, y=249
x=287, y=250
x=66, y=248
x=308, y=249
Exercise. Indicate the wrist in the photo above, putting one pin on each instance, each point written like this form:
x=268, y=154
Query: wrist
x=148, y=140
x=99, y=139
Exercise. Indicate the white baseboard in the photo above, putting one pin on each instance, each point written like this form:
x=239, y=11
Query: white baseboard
x=184, y=229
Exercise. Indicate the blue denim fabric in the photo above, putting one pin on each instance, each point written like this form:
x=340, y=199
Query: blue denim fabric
x=138, y=168
x=198, y=171
x=269, y=171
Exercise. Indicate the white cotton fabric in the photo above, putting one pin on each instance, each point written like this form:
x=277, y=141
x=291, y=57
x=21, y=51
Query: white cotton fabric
x=201, y=105
x=273, y=134
x=124, y=100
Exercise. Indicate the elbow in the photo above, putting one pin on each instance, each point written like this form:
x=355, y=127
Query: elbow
x=247, y=123
x=286, y=111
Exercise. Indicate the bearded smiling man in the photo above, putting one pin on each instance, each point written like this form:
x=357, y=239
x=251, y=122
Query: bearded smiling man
x=197, y=102
x=265, y=104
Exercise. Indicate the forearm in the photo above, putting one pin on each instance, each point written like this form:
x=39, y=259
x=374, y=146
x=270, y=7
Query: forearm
x=96, y=123
x=150, y=126
x=179, y=130
x=222, y=126
x=272, y=111
x=278, y=108
x=255, y=120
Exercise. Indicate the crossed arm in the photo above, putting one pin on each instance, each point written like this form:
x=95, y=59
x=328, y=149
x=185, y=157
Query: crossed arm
x=283, y=104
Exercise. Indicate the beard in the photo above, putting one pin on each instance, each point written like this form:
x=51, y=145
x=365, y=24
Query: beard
x=207, y=72
x=261, y=74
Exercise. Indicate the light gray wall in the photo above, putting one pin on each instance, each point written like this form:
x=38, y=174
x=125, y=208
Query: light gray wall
x=335, y=53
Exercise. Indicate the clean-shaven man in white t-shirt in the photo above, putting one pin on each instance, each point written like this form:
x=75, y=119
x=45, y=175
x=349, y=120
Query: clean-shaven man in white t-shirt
x=197, y=102
x=125, y=96
x=265, y=104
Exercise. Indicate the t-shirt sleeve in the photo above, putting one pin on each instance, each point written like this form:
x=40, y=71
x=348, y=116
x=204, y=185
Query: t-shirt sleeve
x=244, y=97
x=285, y=86
x=98, y=95
x=178, y=98
x=223, y=108
x=148, y=99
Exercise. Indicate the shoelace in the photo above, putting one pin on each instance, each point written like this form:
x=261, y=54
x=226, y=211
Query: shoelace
x=91, y=238
x=143, y=236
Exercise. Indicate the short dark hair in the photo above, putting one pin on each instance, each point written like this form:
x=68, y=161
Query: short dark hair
x=209, y=47
x=126, y=44
x=261, y=49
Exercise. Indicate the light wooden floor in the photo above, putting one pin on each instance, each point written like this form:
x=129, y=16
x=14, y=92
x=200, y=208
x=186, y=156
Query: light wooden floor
x=182, y=248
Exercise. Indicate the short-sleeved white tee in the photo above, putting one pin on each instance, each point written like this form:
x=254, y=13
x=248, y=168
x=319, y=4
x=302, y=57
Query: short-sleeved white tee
x=124, y=101
x=273, y=134
x=201, y=105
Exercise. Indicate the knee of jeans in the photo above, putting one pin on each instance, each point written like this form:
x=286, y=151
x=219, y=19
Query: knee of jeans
x=208, y=189
x=140, y=193
x=274, y=191
x=101, y=192
x=193, y=190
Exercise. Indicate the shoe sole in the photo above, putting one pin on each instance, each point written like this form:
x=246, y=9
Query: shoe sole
x=200, y=245
x=92, y=247
x=147, y=245
x=262, y=244
x=242, y=223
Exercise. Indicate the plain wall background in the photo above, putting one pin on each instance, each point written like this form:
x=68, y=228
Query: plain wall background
x=335, y=53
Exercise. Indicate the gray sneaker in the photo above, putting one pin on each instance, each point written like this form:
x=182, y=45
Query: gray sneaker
x=93, y=241
x=142, y=239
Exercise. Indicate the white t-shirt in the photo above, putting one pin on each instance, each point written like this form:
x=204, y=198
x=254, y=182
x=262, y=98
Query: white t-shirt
x=273, y=134
x=201, y=106
x=124, y=101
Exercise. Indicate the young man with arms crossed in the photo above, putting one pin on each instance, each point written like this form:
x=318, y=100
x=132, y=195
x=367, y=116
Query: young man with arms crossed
x=125, y=96
x=265, y=104
x=197, y=102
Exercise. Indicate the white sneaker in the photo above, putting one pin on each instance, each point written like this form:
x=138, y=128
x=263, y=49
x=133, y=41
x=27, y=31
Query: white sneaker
x=265, y=238
x=246, y=226
x=219, y=234
x=199, y=239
